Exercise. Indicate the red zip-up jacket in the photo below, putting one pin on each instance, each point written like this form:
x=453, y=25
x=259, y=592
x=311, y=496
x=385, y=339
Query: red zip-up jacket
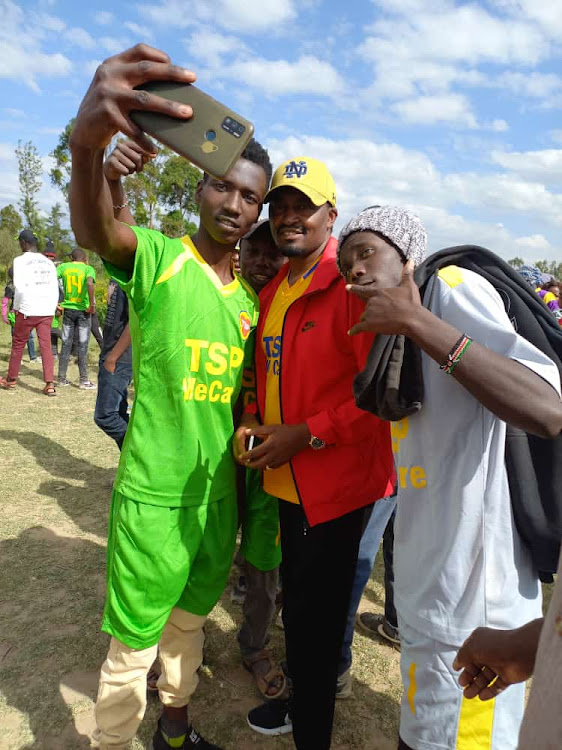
x=319, y=361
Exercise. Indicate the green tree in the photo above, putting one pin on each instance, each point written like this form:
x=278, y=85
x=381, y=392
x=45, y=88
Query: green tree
x=10, y=219
x=173, y=224
x=54, y=230
x=60, y=173
x=178, y=181
x=516, y=262
x=30, y=171
x=9, y=248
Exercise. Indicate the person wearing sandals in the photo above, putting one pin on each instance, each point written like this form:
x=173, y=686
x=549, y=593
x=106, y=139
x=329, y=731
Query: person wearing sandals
x=36, y=295
x=260, y=548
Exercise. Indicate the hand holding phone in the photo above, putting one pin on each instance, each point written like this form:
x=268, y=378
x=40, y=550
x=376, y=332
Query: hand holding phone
x=213, y=138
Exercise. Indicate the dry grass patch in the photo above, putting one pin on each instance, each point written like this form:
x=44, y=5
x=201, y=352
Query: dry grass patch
x=56, y=474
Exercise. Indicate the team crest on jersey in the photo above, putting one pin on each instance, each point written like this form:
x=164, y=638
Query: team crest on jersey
x=296, y=169
x=245, y=324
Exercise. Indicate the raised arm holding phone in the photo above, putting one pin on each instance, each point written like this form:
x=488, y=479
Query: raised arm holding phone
x=173, y=518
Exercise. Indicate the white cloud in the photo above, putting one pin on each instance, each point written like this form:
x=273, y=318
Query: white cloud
x=429, y=110
x=535, y=243
x=233, y=15
x=25, y=65
x=104, y=17
x=50, y=23
x=13, y=112
x=532, y=84
x=141, y=32
x=212, y=47
x=80, y=38
x=113, y=44
x=420, y=50
x=90, y=67
x=499, y=126
x=307, y=75
x=541, y=166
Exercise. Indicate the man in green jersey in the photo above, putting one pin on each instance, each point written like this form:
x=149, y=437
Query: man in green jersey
x=77, y=279
x=173, y=517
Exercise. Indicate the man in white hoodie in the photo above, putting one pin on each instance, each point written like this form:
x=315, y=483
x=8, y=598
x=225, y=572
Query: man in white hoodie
x=36, y=294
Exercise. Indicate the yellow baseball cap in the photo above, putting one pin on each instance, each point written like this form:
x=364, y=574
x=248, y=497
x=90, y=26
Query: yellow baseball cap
x=310, y=176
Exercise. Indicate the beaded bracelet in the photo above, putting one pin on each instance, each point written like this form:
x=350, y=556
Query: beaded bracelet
x=123, y=205
x=456, y=354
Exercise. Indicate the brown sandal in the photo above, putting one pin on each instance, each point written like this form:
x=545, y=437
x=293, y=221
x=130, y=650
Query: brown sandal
x=49, y=389
x=273, y=680
x=9, y=385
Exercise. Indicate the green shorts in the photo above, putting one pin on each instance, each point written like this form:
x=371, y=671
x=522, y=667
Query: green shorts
x=261, y=538
x=159, y=558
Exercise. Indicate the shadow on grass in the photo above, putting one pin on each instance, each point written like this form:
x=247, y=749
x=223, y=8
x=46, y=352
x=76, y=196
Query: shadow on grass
x=53, y=596
x=75, y=501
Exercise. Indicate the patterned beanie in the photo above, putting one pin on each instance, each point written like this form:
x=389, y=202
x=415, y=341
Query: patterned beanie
x=398, y=225
x=532, y=275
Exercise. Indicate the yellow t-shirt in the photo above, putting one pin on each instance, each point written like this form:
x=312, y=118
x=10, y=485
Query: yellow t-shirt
x=279, y=482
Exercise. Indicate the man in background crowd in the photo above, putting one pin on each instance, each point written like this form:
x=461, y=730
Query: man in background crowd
x=36, y=293
x=78, y=280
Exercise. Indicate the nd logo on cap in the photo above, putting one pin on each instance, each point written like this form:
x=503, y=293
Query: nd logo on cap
x=308, y=175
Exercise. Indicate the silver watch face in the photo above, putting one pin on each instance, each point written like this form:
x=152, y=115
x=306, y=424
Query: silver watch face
x=316, y=443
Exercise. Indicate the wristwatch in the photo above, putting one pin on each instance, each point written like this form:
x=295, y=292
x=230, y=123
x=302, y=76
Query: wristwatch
x=316, y=443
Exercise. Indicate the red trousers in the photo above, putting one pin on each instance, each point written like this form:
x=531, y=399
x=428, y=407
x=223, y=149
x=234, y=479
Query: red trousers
x=23, y=327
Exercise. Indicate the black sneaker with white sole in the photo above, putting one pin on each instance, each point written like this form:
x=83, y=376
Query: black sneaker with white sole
x=271, y=718
x=189, y=738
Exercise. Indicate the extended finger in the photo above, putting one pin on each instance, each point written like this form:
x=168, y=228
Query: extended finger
x=142, y=51
x=136, y=156
x=407, y=273
x=360, y=327
x=256, y=453
x=364, y=292
x=468, y=674
x=128, y=128
x=142, y=71
x=490, y=692
x=123, y=164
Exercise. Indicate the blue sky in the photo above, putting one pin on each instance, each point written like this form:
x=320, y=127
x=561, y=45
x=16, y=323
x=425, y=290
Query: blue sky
x=450, y=108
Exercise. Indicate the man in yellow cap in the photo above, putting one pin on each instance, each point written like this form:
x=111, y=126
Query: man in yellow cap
x=326, y=460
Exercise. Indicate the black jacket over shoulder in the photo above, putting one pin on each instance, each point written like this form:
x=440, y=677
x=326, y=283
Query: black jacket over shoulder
x=391, y=387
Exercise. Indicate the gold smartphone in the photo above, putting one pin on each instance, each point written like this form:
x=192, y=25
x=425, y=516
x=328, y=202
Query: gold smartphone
x=213, y=139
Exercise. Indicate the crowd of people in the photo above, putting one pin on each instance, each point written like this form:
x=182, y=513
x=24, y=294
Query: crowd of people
x=324, y=395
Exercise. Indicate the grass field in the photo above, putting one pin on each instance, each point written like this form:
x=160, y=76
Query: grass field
x=56, y=470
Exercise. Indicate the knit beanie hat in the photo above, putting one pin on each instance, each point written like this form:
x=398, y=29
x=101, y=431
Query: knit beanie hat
x=398, y=225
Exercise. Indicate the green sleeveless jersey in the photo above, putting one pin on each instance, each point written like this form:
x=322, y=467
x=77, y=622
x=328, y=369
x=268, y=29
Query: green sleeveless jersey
x=191, y=336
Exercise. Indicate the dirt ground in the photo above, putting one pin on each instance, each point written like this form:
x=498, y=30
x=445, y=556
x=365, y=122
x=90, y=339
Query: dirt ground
x=56, y=470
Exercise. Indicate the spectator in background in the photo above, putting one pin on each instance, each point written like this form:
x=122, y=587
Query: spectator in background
x=78, y=280
x=549, y=292
x=36, y=293
x=260, y=548
x=9, y=317
x=56, y=328
x=550, y=295
x=115, y=367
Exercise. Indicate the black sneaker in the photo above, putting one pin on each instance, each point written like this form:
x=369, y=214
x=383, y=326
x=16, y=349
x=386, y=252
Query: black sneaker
x=192, y=740
x=271, y=718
